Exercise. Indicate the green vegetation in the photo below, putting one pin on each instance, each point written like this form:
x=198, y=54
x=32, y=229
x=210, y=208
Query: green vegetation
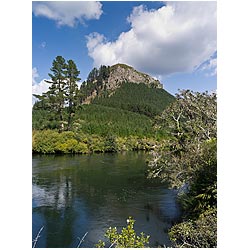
x=96, y=82
x=62, y=92
x=126, y=239
x=100, y=120
x=137, y=98
x=109, y=124
x=197, y=233
x=51, y=142
x=189, y=159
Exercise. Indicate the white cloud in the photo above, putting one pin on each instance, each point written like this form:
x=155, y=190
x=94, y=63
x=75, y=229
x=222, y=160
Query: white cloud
x=38, y=87
x=174, y=38
x=34, y=75
x=68, y=13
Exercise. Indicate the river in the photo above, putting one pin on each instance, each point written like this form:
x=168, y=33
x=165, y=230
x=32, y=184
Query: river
x=72, y=195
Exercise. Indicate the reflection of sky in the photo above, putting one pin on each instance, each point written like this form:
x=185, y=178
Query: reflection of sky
x=55, y=197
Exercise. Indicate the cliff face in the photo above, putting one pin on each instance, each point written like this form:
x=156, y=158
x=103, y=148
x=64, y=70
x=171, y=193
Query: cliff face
x=120, y=73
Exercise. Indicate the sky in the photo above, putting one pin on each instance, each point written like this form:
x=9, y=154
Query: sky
x=176, y=42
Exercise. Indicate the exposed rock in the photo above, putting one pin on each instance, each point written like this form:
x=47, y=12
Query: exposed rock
x=120, y=73
x=115, y=76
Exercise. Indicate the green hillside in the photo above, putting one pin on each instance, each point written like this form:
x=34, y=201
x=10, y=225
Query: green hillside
x=137, y=98
x=99, y=120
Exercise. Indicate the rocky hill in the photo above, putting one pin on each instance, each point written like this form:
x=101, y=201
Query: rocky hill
x=120, y=73
x=107, y=79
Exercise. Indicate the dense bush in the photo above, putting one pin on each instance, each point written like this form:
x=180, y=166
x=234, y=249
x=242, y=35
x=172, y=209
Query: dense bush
x=51, y=141
x=199, y=233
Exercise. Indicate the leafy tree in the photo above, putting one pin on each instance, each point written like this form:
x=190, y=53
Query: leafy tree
x=189, y=122
x=189, y=162
x=126, y=239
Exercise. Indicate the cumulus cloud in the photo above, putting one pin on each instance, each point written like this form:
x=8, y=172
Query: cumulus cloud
x=68, y=13
x=38, y=87
x=174, y=38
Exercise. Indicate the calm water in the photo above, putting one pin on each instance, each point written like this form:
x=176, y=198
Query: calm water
x=73, y=195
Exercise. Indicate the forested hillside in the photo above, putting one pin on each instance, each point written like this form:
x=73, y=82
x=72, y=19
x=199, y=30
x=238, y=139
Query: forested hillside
x=99, y=120
x=137, y=98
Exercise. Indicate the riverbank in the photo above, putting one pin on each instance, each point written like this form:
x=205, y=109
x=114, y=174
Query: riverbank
x=68, y=142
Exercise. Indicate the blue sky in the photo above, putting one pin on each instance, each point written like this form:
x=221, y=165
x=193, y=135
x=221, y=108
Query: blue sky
x=173, y=41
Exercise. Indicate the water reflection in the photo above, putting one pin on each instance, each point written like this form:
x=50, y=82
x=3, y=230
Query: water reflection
x=89, y=193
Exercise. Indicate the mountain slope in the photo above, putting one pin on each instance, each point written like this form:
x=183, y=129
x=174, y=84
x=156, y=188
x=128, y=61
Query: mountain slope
x=99, y=120
x=126, y=88
x=137, y=98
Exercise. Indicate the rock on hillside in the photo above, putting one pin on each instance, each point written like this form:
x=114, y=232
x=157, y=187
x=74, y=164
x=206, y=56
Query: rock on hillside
x=120, y=73
x=107, y=79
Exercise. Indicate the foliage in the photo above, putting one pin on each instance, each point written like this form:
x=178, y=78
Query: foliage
x=62, y=93
x=126, y=239
x=100, y=120
x=71, y=90
x=190, y=124
x=95, y=81
x=137, y=98
x=55, y=95
x=51, y=141
x=201, y=233
x=188, y=161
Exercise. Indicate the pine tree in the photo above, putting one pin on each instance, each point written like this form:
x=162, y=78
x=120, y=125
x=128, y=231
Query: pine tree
x=71, y=89
x=55, y=94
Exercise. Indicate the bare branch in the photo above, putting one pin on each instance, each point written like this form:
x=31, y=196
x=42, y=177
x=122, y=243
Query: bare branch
x=82, y=239
x=37, y=237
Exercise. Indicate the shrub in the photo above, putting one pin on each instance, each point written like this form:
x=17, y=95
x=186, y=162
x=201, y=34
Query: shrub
x=126, y=239
x=200, y=233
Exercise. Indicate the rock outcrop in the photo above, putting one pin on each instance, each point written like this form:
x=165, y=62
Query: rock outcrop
x=108, y=79
x=120, y=73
